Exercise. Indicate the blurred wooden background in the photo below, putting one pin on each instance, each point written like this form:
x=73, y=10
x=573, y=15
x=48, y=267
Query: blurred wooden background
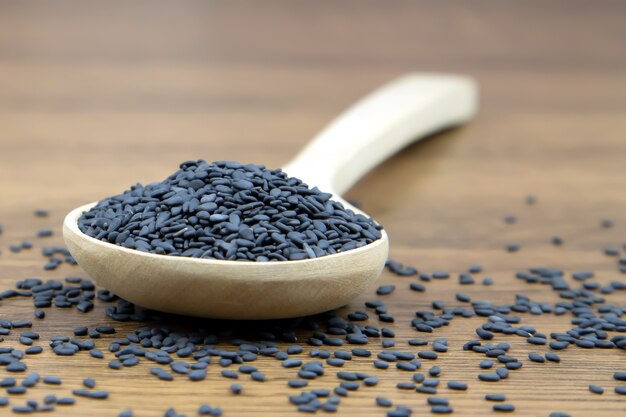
x=97, y=95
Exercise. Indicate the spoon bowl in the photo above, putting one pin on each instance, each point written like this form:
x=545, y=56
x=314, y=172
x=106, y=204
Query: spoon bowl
x=226, y=289
x=406, y=110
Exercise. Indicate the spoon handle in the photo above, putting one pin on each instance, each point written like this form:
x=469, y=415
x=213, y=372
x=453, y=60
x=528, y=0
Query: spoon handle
x=380, y=124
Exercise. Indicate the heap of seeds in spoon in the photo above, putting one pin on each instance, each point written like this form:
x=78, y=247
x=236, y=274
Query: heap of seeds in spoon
x=230, y=211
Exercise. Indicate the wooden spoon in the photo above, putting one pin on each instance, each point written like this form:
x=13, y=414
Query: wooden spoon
x=397, y=114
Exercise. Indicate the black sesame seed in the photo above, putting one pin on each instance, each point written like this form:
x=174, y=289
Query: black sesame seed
x=297, y=383
x=328, y=407
x=350, y=385
x=54, y=380
x=489, y=377
x=510, y=219
x=294, y=349
x=7, y=382
x=504, y=407
x=81, y=393
x=99, y=395
x=347, y=376
x=305, y=408
x=484, y=334
x=486, y=364
x=513, y=365
x=385, y=289
x=258, y=376
x=495, y=397
x=44, y=233
x=300, y=399
x=50, y=399
x=342, y=354
x=416, y=286
x=427, y=355
x=307, y=374
x=80, y=331
x=66, y=401
x=22, y=409
x=370, y=381
x=162, y=374
x=247, y=369
x=423, y=328
x=456, y=385
x=399, y=412
x=431, y=383
x=229, y=374
x=437, y=401
x=503, y=373
x=619, y=376
x=466, y=279
x=33, y=350
x=335, y=361
x=607, y=223
x=197, y=374
x=105, y=329
x=25, y=340
x=95, y=353
x=291, y=363
x=16, y=367
x=383, y=402
x=357, y=339
x=419, y=378
x=536, y=340
x=321, y=392
x=512, y=247
x=441, y=409
x=558, y=345
x=406, y=366
x=41, y=213
x=596, y=389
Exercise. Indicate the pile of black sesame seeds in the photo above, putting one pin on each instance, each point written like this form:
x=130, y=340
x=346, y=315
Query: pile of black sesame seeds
x=176, y=348
x=229, y=211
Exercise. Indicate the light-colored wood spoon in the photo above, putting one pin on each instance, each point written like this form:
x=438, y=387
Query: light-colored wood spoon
x=397, y=114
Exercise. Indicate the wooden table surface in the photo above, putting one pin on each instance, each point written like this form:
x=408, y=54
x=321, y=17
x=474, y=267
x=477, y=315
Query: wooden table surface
x=97, y=96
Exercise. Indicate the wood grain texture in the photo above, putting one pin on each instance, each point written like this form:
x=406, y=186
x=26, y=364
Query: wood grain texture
x=95, y=96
